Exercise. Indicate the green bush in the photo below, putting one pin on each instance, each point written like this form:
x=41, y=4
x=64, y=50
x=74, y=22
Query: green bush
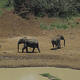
x=46, y=75
x=1, y=12
x=49, y=76
x=53, y=25
x=2, y=3
x=61, y=26
x=62, y=8
x=44, y=26
x=6, y=4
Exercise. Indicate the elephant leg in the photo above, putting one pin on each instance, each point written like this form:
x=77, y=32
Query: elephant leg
x=26, y=49
x=53, y=44
x=58, y=45
x=38, y=49
x=23, y=49
x=33, y=50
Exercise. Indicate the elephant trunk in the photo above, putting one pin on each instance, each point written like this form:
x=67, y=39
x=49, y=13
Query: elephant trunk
x=18, y=47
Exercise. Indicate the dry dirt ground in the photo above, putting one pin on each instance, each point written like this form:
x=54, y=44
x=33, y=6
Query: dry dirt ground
x=12, y=28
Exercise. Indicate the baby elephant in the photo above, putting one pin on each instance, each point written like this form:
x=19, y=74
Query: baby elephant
x=56, y=41
x=33, y=43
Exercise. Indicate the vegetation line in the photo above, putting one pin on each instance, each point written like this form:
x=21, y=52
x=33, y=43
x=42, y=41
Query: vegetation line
x=49, y=76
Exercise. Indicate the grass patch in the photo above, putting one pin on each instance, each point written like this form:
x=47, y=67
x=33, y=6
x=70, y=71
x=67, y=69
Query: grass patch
x=59, y=25
x=53, y=25
x=3, y=5
x=72, y=23
x=9, y=8
x=49, y=76
x=1, y=12
x=62, y=24
x=44, y=26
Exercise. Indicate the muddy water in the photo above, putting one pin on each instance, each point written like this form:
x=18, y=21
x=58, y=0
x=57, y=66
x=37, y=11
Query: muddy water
x=34, y=73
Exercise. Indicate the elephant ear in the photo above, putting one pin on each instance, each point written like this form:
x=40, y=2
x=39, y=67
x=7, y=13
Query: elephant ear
x=62, y=37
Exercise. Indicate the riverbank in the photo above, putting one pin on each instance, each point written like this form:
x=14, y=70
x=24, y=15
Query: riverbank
x=13, y=28
x=39, y=60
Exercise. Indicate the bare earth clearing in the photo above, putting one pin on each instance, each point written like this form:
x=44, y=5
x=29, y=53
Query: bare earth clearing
x=12, y=28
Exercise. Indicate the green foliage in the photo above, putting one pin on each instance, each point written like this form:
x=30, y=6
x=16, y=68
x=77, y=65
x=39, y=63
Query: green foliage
x=72, y=23
x=5, y=4
x=1, y=12
x=62, y=8
x=46, y=75
x=61, y=26
x=2, y=3
x=53, y=25
x=9, y=8
x=49, y=76
x=44, y=26
x=40, y=14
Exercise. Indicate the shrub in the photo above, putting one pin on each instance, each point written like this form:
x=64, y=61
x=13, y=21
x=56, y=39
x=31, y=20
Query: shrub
x=53, y=25
x=6, y=4
x=61, y=26
x=49, y=76
x=44, y=26
x=1, y=12
x=62, y=8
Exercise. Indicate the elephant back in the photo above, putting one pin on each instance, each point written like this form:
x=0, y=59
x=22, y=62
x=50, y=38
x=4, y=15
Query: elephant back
x=32, y=40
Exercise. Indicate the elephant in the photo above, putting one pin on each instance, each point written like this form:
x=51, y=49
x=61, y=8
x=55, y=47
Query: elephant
x=33, y=43
x=21, y=41
x=56, y=41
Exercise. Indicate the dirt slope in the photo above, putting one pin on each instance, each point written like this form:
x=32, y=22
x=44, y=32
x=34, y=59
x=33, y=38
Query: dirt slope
x=13, y=25
x=12, y=28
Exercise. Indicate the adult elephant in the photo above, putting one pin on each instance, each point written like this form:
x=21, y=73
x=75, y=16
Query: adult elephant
x=21, y=41
x=57, y=41
x=33, y=43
